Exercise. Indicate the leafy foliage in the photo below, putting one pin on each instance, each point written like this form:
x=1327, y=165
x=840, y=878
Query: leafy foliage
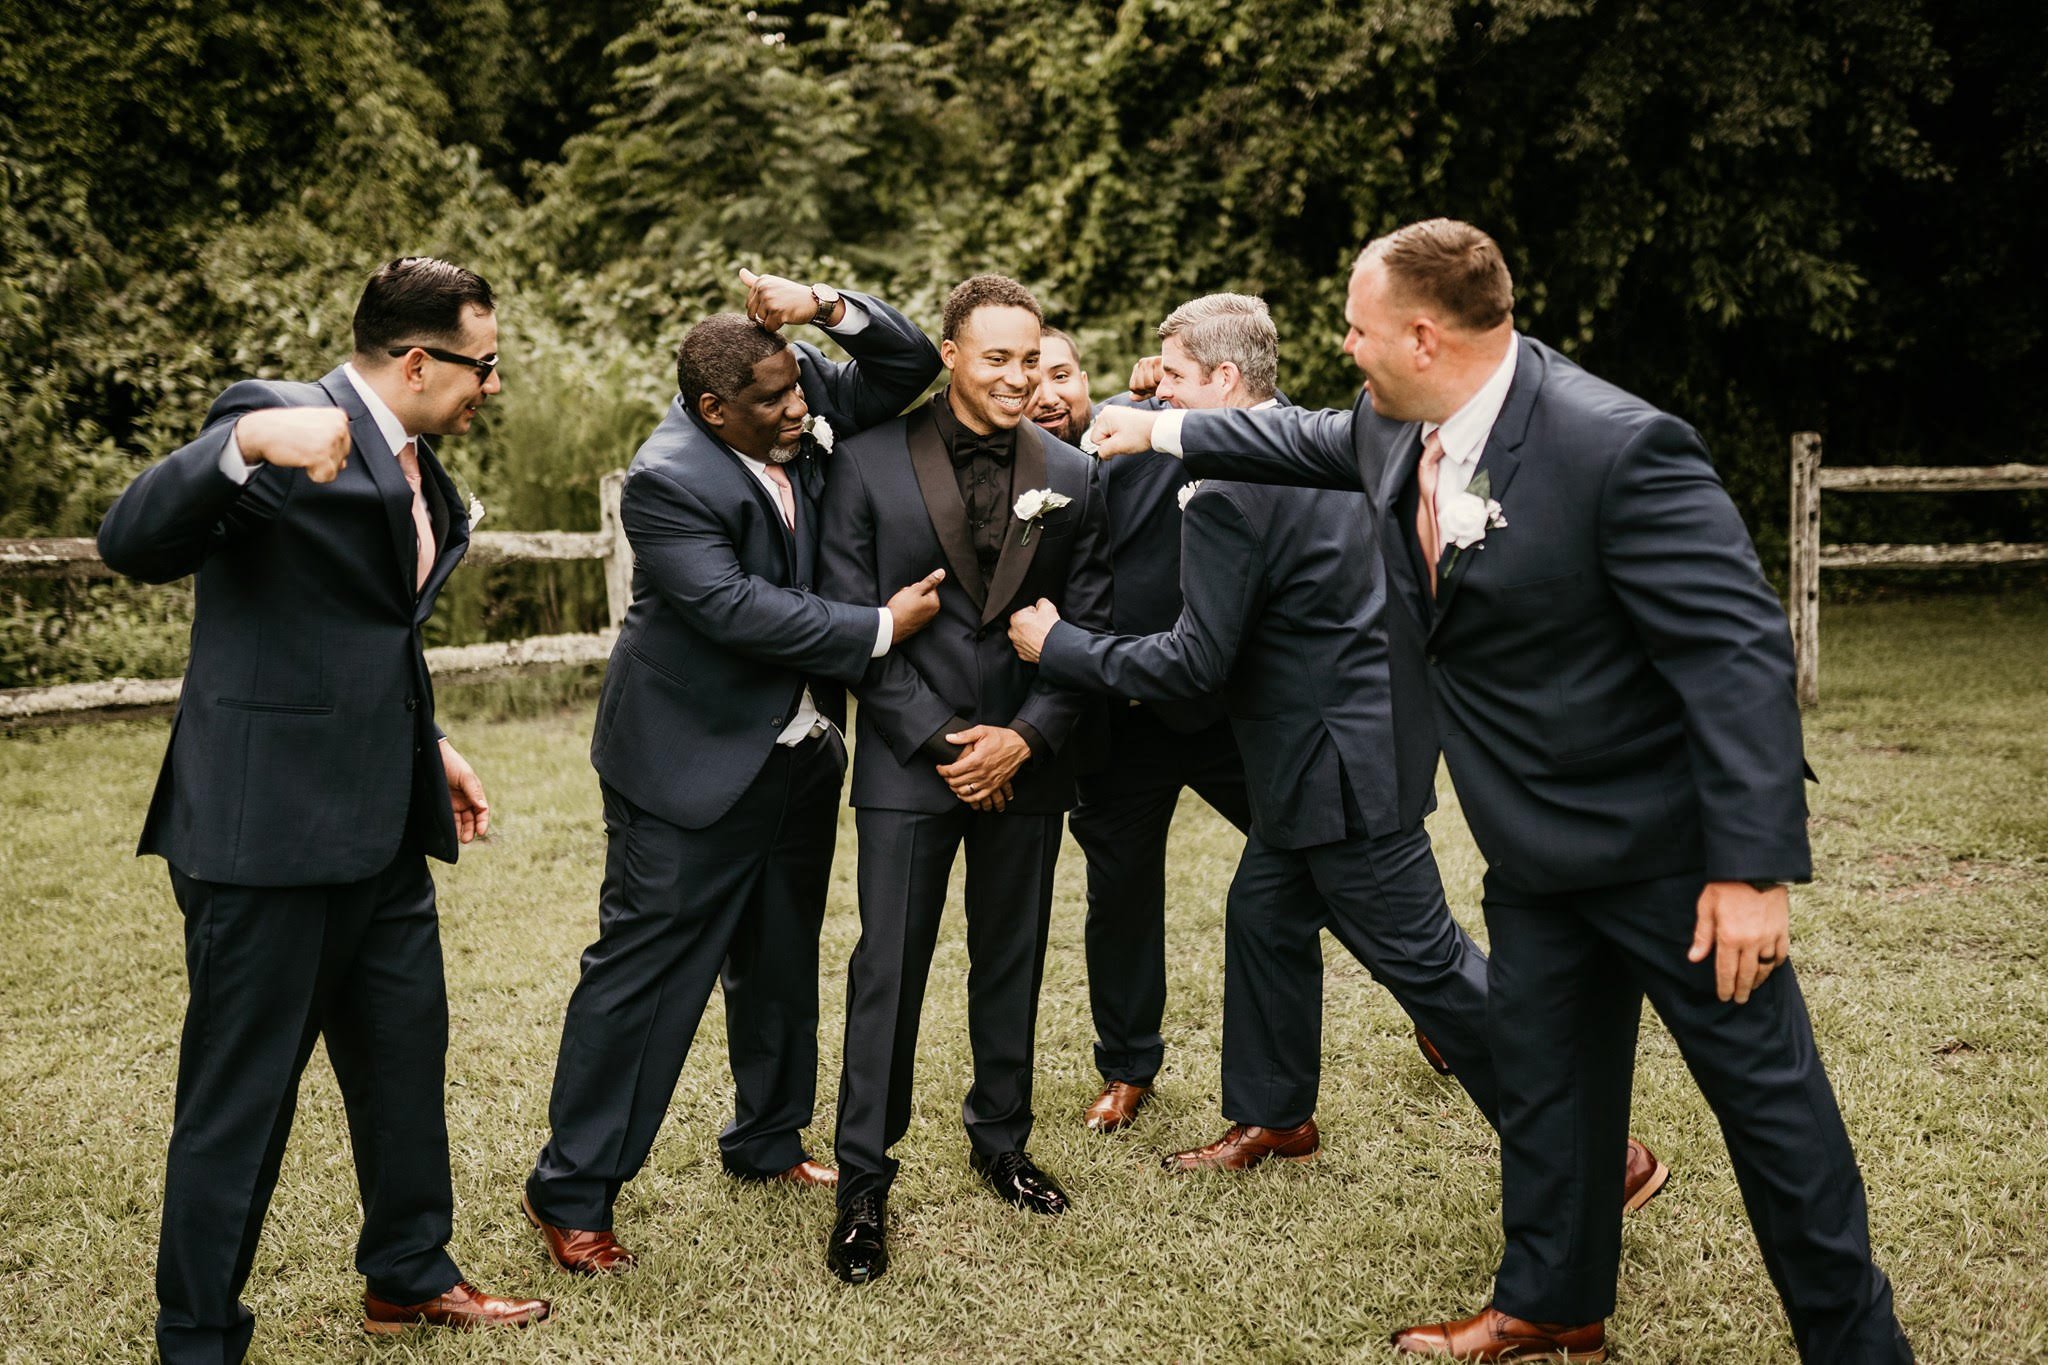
x=1783, y=215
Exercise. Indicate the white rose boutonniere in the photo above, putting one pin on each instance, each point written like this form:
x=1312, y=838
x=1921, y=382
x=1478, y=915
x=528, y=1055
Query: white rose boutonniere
x=1035, y=504
x=1464, y=518
x=819, y=430
x=1187, y=491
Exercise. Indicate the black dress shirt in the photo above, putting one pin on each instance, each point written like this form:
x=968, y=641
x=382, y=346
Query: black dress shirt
x=983, y=466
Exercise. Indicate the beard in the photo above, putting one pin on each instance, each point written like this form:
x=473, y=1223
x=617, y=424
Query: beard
x=784, y=454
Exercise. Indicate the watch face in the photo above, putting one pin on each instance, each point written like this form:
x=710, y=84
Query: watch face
x=825, y=294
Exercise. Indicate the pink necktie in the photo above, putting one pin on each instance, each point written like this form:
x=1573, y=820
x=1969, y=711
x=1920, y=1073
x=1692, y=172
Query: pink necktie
x=1426, y=533
x=784, y=494
x=422, y=524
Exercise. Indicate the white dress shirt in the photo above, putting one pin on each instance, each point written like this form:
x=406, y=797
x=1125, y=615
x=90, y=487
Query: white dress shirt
x=1464, y=432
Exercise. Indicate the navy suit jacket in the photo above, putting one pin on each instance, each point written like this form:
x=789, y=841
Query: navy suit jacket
x=893, y=514
x=1285, y=616
x=1142, y=495
x=303, y=751
x=726, y=624
x=1612, y=673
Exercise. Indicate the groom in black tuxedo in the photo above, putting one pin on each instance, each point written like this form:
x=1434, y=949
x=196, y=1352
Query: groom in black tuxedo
x=719, y=753
x=958, y=742
x=305, y=787
x=1612, y=679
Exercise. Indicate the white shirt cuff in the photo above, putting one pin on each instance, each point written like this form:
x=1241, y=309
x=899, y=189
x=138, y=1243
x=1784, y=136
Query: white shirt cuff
x=1166, y=432
x=855, y=319
x=231, y=462
x=885, y=632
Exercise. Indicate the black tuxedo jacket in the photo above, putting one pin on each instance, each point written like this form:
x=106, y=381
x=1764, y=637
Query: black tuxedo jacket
x=892, y=514
x=726, y=623
x=303, y=752
x=1284, y=616
x=1612, y=673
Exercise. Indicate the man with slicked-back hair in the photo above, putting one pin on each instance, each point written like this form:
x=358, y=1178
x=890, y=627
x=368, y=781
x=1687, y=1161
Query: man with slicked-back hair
x=305, y=787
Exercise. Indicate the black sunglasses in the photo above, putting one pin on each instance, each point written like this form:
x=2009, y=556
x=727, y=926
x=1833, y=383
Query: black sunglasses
x=482, y=367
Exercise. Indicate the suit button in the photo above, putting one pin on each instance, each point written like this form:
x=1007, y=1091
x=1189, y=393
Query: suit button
x=412, y=703
x=776, y=721
x=803, y=587
x=981, y=634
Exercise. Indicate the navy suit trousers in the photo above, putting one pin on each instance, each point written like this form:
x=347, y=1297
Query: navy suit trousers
x=1384, y=901
x=272, y=969
x=745, y=897
x=1121, y=824
x=1568, y=975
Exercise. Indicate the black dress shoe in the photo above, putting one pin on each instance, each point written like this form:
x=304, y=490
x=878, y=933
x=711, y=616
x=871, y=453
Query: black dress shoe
x=859, y=1250
x=1017, y=1179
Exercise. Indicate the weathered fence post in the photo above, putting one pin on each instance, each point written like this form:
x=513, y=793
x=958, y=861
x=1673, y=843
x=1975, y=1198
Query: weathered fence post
x=1805, y=585
x=618, y=554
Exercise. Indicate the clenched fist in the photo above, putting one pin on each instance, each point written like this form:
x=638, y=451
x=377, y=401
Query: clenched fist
x=1146, y=374
x=1121, y=431
x=313, y=439
x=775, y=302
x=913, y=607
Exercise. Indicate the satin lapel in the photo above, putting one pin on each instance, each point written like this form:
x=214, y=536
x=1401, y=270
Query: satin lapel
x=1018, y=553
x=942, y=502
x=455, y=541
x=382, y=462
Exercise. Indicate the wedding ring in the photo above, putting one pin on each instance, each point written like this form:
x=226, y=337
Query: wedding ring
x=1767, y=958
x=971, y=787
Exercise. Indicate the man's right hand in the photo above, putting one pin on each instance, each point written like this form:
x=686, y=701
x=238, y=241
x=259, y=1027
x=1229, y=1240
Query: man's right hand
x=313, y=439
x=1145, y=376
x=1122, y=431
x=912, y=608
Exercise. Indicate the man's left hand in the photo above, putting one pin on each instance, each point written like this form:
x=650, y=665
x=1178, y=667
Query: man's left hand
x=466, y=795
x=775, y=302
x=1748, y=931
x=990, y=758
x=1029, y=627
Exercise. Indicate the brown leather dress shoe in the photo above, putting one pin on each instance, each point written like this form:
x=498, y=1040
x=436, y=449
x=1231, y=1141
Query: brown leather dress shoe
x=462, y=1308
x=1493, y=1335
x=1245, y=1146
x=807, y=1173
x=1116, y=1107
x=1643, y=1175
x=578, y=1251
x=1430, y=1054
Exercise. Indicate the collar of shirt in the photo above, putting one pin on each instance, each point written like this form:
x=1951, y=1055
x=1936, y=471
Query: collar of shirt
x=1465, y=431
x=1265, y=403
x=952, y=430
x=388, y=426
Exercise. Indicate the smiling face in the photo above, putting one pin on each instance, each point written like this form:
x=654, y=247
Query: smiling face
x=1392, y=345
x=765, y=419
x=1061, y=405
x=442, y=397
x=994, y=359
x=1183, y=383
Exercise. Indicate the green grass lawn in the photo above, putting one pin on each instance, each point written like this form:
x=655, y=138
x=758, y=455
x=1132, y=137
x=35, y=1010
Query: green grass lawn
x=1920, y=947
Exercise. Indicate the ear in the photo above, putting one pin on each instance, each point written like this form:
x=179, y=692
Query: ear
x=1429, y=340
x=1228, y=376
x=948, y=353
x=413, y=370
x=710, y=409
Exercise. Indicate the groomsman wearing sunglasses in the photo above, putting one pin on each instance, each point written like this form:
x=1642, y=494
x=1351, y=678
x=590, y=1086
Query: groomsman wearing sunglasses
x=304, y=789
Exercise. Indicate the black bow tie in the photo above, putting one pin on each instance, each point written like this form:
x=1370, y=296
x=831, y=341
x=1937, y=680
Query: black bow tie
x=998, y=446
